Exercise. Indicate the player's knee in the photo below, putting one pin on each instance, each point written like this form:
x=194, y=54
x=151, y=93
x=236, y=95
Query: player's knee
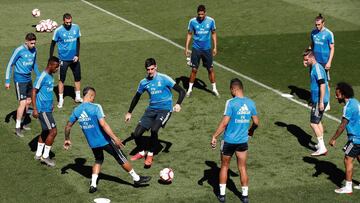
x=99, y=160
x=53, y=132
x=194, y=70
x=28, y=101
x=138, y=131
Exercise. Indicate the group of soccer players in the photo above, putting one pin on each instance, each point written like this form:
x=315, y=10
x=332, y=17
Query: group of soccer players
x=240, y=116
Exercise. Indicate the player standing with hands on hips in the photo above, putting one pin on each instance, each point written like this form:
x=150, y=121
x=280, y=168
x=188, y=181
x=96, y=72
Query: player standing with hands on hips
x=239, y=111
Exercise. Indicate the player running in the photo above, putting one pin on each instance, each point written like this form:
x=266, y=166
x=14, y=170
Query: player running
x=24, y=60
x=67, y=36
x=239, y=111
x=42, y=100
x=100, y=137
x=351, y=121
x=319, y=99
x=322, y=44
x=158, y=86
x=200, y=29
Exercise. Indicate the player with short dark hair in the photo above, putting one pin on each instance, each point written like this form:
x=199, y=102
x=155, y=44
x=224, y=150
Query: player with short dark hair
x=319, y=98
x=42, y=100
x=239, y=111
x=100, y=137
x=351, y=121
x=202, y=30
x=24, y=60
x=158, y=86
x=67, y=36
x=322, y=44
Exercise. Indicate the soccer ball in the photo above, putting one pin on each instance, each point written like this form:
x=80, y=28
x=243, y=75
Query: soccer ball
x=167, y=175
x=35, y=12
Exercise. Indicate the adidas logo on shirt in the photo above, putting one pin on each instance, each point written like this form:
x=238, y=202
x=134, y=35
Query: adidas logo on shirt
x=244, y=110
x=84, y=117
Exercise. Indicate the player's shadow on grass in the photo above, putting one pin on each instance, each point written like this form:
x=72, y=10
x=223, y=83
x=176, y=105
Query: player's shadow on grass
x=300, y=93
x=211, y=175
x=12, y=115
x=303, y=138
x=86, y=171
x=69, y=91
x=199, y=84
x=33, y=143
x=335, y=175
x=146, y=139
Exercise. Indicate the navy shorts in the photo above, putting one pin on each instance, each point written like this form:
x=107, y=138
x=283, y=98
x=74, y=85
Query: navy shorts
x=75, y=67
x=204, y=55
x=316, y=115
x=153, y=116
x=228, y=149
x=351, y=149
x=47, y=120
x=113, y=150
x=23, y=90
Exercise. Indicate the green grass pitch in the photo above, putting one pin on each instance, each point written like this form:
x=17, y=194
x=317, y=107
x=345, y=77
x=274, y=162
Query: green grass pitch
x=261, y=39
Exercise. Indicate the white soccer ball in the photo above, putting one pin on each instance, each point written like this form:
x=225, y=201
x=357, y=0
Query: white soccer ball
x=38, y=27
x=167, y=175
x=35, y=12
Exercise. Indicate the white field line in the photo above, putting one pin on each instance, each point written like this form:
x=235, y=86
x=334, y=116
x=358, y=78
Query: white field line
x=216, y=63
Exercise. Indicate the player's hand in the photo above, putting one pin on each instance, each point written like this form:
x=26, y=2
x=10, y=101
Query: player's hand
x=321, y=106
x=35, y=113
x=127, y=117
x=187, y=52
x=332, y=142
x=75, y=59
x=213, y=143
x=7, y=86
x=327, y=66
x=118, y=143
x=251, y=132
x=177, y=108
x=214, y=52
x=67, y=144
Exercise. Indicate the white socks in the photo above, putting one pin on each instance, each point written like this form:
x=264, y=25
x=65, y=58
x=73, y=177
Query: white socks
x=245, y=191
x=77, y=93
x=61, y=98
x=222, y=189
x=213, y=86
x=348, y=185
x=46, y=151
x=18, y=123
x=142, y=153
x=39, y=149
x=150, y=153
x=94, y=179
x=190, y=86
x=321, y=142
x=134, y=175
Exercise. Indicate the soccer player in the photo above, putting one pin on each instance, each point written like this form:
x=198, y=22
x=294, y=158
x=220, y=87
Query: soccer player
x=351, y=121
x=319, y=98
x=24, y=60
x=67, y=36
x=158, y=86
x=202, y=30
x=100, y=137
x=42, y=100
x=322, y=44
x=239, y=111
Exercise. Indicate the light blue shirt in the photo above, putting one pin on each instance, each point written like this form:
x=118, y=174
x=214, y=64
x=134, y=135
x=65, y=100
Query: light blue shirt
x=317, y=73
x=88, y=114
x=44, y=98
x=322, y=41
x=352, y=113
x=202, y=31
x=240, y=111
x=159, y=90
x=66, y=41
x=24, y=61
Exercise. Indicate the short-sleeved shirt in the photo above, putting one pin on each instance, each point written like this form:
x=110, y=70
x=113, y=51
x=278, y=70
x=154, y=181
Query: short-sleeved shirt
x=240, y=111
x=202, y=31
x=159, y=90
x=351, y=113
x=318, y=73
x=44, y=98
x=322, y=41
x=24, y=60
x=67, y=41
x=88, y=114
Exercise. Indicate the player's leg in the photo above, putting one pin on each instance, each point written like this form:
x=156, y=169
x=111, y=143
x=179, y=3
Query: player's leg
x=99, y=159
x=62, y=76
x=48, y=123
x=241, y=155
x=358, y=159
x=137, y=134
x=316, y=126
x=327, y=108
x=21, y=94
x=41, y=144
x=29, y=88
x=195, y=61
x=348, y=162
x=227, y=150
x=76, y=69
x=207, y=59
x=121, y=159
